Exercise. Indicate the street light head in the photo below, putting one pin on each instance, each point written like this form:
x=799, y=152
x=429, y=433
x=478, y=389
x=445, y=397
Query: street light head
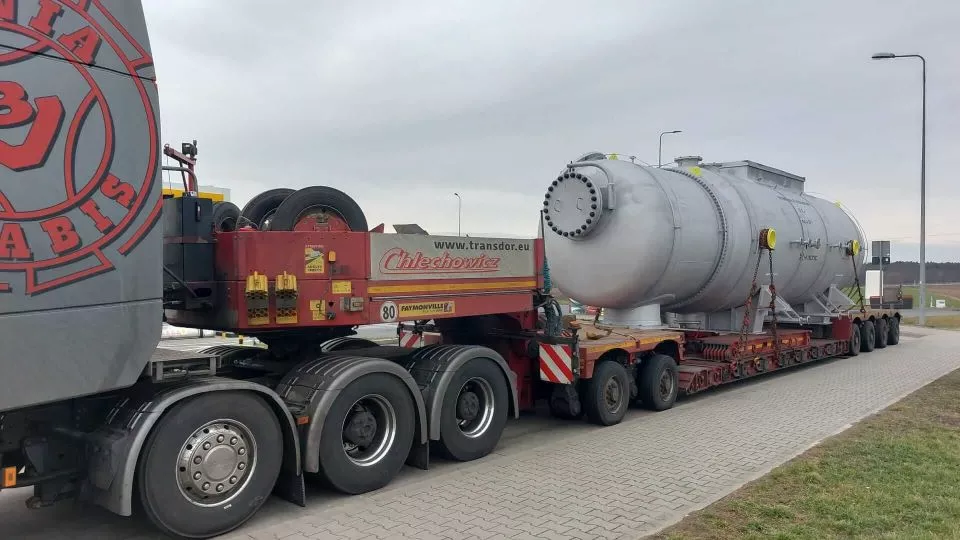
x=883, y=56
x=676, y=131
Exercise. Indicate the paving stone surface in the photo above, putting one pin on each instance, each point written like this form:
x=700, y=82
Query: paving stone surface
x=557, y=480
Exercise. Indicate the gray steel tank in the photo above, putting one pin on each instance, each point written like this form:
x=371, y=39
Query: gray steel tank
x=628, y=237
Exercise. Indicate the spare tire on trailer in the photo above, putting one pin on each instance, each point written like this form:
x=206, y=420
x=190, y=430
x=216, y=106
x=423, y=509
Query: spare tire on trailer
x=225, y=216
x=260, y=210
x=326, y=203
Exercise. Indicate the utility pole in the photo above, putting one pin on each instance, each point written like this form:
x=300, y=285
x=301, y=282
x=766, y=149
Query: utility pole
x=459, y=206
x=660, y=148
x=923, y=175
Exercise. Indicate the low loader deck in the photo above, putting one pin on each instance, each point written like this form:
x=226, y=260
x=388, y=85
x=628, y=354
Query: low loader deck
x=708, y=359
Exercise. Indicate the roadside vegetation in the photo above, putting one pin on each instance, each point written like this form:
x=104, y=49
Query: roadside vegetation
x=949, y=293
x=945, y=322
x=893, y=475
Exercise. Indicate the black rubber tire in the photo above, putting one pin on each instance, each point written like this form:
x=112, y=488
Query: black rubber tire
x=225, y=216
x=882, y=333
x=648, y=382
x=868, y=336
x=855, y=340
x=453, y=442
x=595, y=399
x=336, y=469
x=294, y=207
x=263, y=207
x=160, y=497
x=894, y=337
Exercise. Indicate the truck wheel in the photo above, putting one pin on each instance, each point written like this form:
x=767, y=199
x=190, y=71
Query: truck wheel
x=225, y=216
x=893, y=337
x=319, y=204
x=868, y=336
x=260, y=210
x=474, y=411
x=209, y=464
x=607, y=394
x=882, y=331
x=855, y=340
x=367, y=434
x=658, y=382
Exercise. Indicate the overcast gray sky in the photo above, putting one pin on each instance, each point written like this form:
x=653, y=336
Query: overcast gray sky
x=401, y=104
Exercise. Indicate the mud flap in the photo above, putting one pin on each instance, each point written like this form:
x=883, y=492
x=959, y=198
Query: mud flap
x=419, y=456
x=291, y=487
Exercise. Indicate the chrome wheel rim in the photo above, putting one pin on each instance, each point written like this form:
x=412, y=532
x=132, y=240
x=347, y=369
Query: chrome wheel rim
x=369, y=430
x=216, y=462
x=475, y=407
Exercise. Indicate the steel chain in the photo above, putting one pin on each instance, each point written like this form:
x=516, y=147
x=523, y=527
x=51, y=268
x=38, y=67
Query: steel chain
x=773, y=311
x=856, y=280
x=738, y=348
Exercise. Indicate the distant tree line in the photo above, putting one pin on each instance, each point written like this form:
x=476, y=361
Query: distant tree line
x=908, y=272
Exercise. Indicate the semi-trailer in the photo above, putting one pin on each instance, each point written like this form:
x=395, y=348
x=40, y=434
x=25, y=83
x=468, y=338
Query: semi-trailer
x=92, y=254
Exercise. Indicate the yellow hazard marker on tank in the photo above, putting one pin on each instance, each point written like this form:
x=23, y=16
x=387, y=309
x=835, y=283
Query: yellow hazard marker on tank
x=853, y=248
x=768, y=238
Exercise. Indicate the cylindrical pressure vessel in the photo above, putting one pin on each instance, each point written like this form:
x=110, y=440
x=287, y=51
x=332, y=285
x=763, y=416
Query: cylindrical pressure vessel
x=622, y=236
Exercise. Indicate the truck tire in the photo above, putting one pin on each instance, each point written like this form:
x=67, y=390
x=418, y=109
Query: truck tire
x=607, y=394
x=367, y=434
x=319, y=200
x=658, y=382
x=234, y=437
x=855, y=340
x=894, y=337
x=882, y=332
x=474, y=410
x=225, y=216
x=868, y=336
x=260, y=210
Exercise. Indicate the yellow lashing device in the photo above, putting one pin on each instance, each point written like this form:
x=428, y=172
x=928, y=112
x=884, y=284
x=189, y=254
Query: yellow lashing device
x=286, y=292
x=257, y=294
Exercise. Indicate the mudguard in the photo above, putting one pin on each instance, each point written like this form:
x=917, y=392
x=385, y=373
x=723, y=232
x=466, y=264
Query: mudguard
x=115, y=448
x=313, y=386
x=433, y=368
x=345, y=343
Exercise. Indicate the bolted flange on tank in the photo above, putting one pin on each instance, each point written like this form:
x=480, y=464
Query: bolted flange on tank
x=572, y=206
x=627, y=237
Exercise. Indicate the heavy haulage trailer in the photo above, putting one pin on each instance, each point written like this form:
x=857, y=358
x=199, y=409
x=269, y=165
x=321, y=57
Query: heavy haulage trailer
x=93, y=257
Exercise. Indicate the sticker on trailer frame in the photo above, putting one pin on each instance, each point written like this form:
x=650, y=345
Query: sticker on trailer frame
x=318, y=310
x=388, y=312
x=313, y=260
x=342, y=287
x=427, y=309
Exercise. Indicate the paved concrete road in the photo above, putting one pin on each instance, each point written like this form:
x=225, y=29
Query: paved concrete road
x=573, y=480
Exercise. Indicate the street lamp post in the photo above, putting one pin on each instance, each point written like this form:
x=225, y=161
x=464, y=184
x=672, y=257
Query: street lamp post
x=459, y=205
x=923, y=175
x=660, y=148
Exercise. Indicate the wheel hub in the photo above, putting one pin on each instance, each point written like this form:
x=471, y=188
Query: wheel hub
x=468, y=406
x=475, y=407
x=321, y=218
x=215, y=462
x=612, y=394
x=369, y=430
x=361, y=427
x=666, y=386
